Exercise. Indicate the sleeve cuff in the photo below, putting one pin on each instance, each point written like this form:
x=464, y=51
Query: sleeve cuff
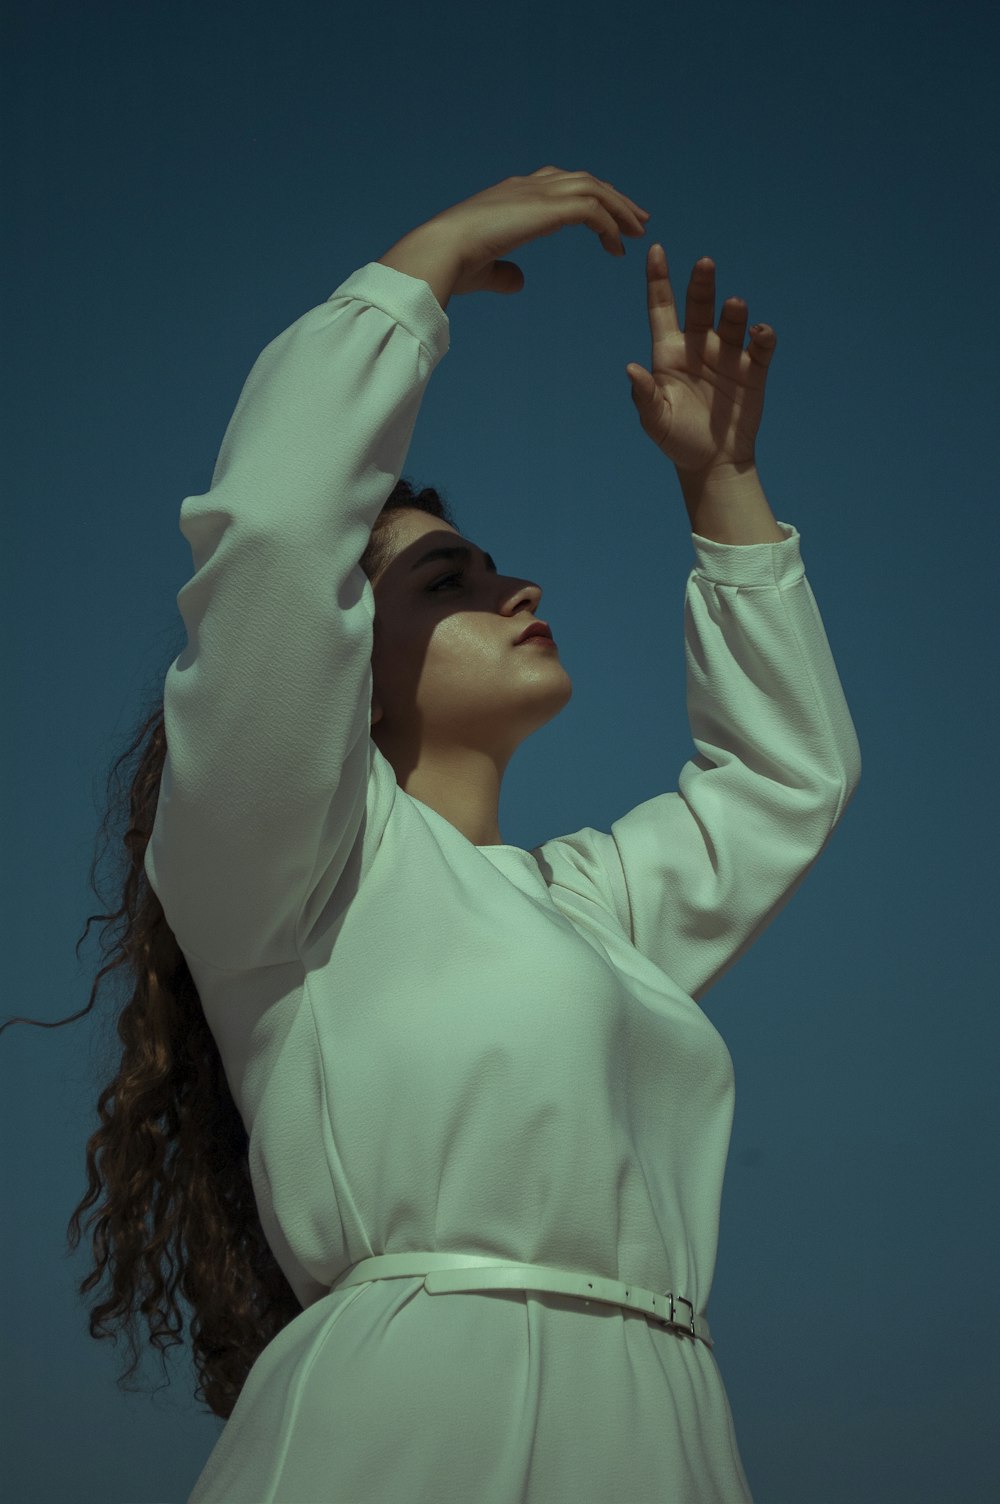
x=407, y=300
x=750, y=563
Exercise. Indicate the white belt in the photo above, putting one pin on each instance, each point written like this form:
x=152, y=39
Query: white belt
x=470, y=1271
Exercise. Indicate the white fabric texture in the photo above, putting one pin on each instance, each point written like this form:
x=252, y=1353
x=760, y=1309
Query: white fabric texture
x=441, y=1046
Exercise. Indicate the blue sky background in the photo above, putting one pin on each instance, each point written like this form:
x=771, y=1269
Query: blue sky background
x=180, y=182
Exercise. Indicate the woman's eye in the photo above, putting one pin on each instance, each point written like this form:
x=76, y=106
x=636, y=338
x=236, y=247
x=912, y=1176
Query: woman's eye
x=447, y=580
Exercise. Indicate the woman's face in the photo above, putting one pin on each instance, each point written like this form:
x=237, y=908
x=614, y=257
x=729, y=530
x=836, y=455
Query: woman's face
x=446, y=672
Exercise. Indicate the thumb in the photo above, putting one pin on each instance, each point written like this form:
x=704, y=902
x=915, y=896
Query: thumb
x=653, y=405
x=505, y=277
x=643, y=385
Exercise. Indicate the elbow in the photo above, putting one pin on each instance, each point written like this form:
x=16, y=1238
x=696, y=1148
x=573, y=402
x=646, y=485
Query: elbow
x=846, y=786
x=852, y=770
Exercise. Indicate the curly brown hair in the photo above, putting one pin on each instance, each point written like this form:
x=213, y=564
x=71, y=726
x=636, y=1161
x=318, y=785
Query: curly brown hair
x=179, y=1206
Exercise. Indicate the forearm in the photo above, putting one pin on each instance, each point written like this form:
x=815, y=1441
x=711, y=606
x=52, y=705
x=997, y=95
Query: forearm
x=428, y=255
x=728, y=505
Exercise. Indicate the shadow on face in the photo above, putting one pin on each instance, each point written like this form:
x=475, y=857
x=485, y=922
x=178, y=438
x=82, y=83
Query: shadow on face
x=447, y=677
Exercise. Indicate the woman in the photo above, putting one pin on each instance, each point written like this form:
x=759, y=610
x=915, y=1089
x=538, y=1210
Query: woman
x=486, y=1120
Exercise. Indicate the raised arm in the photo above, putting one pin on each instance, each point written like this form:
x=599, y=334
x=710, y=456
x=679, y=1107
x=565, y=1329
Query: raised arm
x=267, y=709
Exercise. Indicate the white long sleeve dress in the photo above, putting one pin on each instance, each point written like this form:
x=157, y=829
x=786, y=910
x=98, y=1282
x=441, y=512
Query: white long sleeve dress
x=441, y=1046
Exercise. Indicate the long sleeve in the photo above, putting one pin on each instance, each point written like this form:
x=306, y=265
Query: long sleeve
x=267, y=709
x=694, y=876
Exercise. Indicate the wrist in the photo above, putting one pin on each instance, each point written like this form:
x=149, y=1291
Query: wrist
x=726, y=503
x=428, y=254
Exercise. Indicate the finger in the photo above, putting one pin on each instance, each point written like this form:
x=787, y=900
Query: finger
x=763, y=342
x=624, y=211
x=617, y=205
x=640, y=214
x=549, y=170
x=590, y=209
x=733, y=322
x=660, y=302
x=699, y=306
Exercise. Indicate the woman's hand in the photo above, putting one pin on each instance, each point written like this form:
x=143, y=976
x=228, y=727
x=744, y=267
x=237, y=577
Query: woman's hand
x=482, y=230
x=702, y=403
x=522, y=209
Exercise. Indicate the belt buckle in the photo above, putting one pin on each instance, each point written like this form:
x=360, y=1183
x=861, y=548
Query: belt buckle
x=681, y=1300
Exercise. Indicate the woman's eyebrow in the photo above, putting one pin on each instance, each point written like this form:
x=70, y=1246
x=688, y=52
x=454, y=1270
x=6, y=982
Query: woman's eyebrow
x=456, y=551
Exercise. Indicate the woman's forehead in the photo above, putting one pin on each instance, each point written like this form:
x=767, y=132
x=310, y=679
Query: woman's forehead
x=413, y=536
